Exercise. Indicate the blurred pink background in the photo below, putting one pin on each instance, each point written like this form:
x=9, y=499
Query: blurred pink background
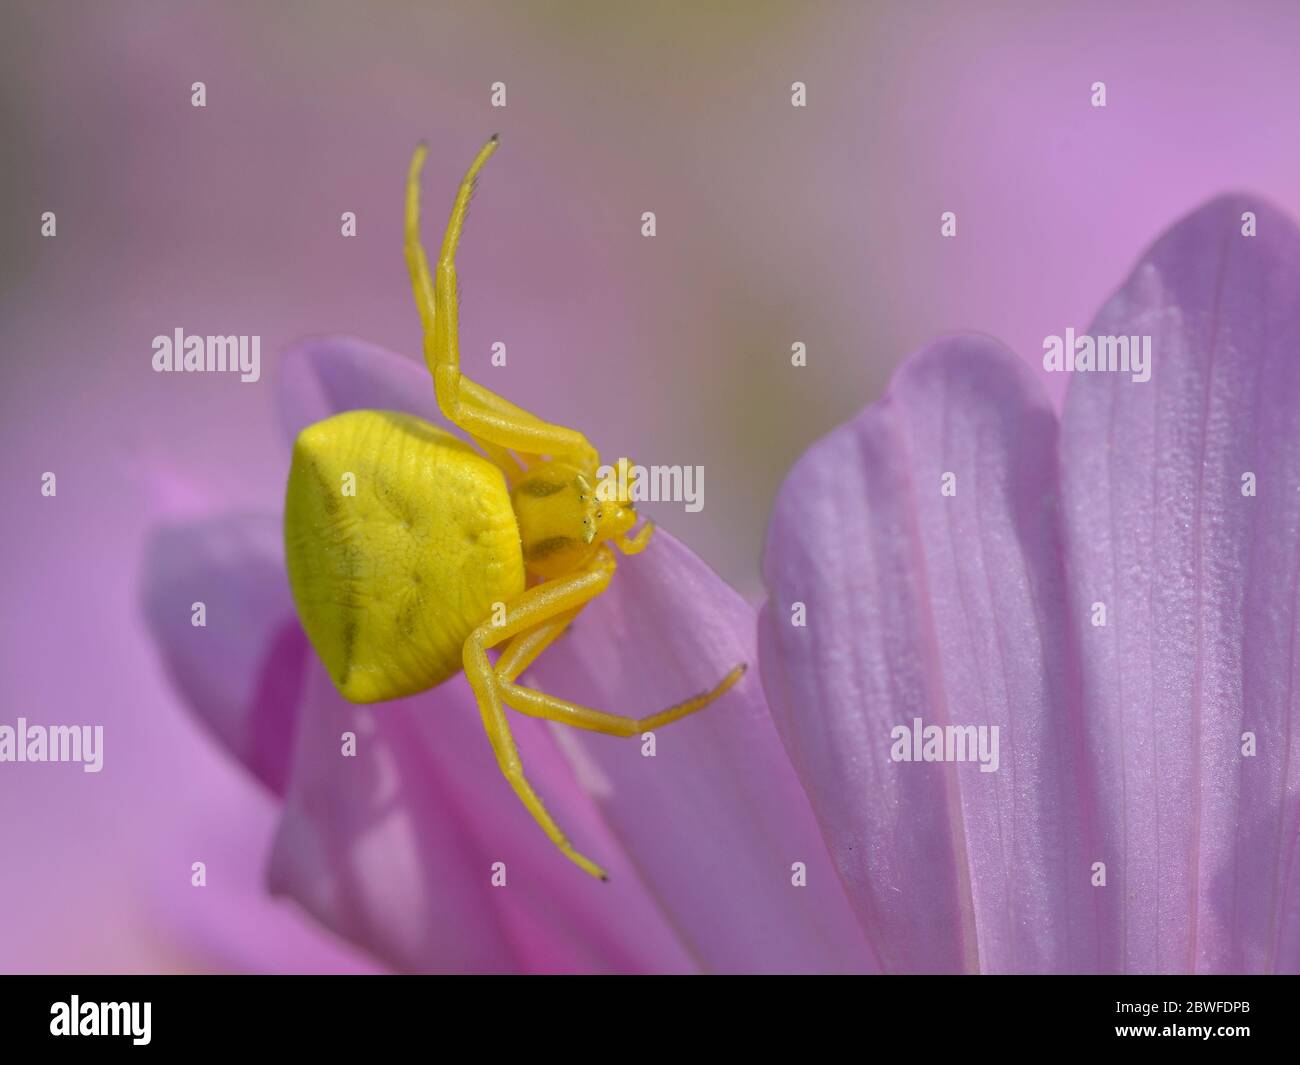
x=775, y=225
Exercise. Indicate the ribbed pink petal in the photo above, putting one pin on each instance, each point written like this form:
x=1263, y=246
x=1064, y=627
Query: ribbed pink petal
x=947, y=609
x=716, y=820
x=1200, y=586
x=241, y=672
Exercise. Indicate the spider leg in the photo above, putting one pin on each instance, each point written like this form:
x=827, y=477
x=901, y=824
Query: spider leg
x=535, y=607
x=634, y=545
x=524, y=648
x=539, y=704
x=503, y=459
x=533, y=622
x=521, y=651
x=477, y=410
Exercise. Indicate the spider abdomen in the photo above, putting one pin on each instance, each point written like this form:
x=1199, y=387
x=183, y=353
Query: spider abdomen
x=399, y=540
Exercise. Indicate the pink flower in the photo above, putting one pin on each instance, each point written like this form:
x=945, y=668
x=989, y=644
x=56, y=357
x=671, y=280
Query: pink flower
x=1161, y=744
x=394, y=848
x=1114, y=591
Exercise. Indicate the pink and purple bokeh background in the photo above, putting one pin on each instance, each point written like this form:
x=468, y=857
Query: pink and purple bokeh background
x=775, y=225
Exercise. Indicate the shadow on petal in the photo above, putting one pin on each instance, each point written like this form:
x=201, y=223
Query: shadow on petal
x=241, y=672
x=323, y=376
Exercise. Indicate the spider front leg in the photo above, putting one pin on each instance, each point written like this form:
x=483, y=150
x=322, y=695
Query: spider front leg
x=477, y=410
x=539, y=608
x=539, y=704
x=524, y=648
x=532, y=623
x=521, y=651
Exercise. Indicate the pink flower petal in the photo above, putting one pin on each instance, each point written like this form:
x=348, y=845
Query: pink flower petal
x=947, y=609
x=325, y=375
x=716, y=820
x=231, y=924
x=241, y=672
x=1200, y=585
x=394, y=848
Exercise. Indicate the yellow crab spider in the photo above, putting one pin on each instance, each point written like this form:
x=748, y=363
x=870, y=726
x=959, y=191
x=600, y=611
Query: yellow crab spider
x=411, y=554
